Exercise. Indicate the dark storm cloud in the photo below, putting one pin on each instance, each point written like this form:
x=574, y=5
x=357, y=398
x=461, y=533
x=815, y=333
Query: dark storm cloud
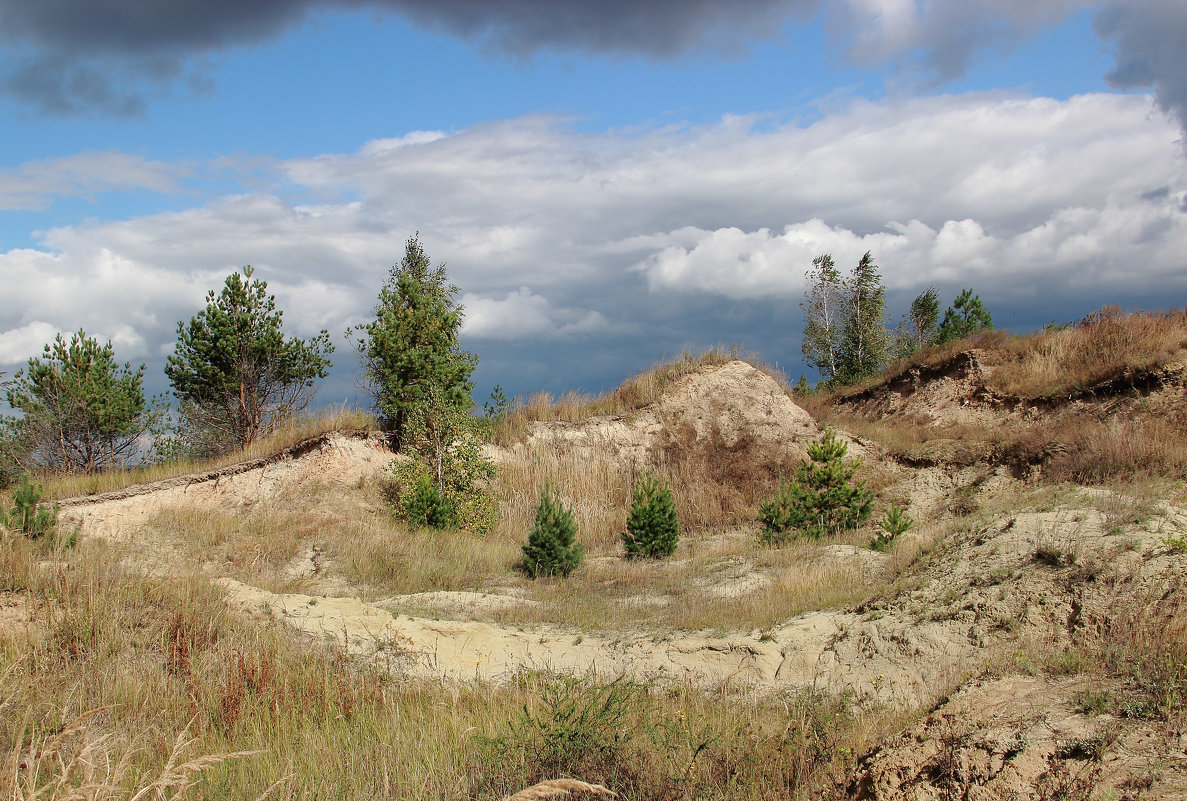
x=110, y=56
x=1148, y=40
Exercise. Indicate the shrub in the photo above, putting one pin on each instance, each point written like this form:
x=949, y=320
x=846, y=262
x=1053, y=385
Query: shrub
x=550, y=548
x=821, y=499
x=425, y=505
x=651, y=529
x=27, y=515
x=894, y=523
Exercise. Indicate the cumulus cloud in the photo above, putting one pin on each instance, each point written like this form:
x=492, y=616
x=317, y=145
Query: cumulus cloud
x=567, y=239
x=523, y=315
x=19, y=344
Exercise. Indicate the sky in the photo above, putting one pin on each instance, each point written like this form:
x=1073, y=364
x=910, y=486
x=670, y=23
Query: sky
x=608, y=182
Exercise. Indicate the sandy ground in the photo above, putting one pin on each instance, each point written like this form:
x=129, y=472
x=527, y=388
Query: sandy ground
x=1001, y=579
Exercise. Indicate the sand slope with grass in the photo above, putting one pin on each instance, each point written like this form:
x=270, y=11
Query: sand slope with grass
x=1001, y=577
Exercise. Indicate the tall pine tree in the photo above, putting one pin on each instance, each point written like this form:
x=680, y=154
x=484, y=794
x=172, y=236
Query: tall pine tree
x=80, y=409
x=966, y=316
x=410, y=352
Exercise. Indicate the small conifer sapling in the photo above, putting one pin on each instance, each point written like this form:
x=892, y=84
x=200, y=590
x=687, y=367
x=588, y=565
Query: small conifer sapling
x=822, y=499
x=551, y=548
x=652, y=530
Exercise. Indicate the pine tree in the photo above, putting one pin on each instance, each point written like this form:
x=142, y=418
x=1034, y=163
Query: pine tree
x=966, y=316
x=652, y=530
x=27, y=515
x=410, y=352
x=550, y=548
x=235, y=373
x=822, y=499
x=823, y=308
x=864, y=342
x=80, y=410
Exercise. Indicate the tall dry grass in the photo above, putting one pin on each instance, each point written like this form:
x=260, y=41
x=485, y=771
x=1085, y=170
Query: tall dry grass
x=1104, y=346
x=123, y=687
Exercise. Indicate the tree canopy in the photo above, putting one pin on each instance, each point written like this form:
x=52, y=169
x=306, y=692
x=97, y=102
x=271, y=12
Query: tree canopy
x=411, y=358
x=966, y=316
x=79, y=410
x=845, y=335
x=234, y=371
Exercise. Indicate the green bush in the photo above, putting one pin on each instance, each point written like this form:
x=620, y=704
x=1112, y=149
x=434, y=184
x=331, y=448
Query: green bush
x=651, y=529
x=425, y=505
x=550, y=548
x=822, y=499
x=896, y=522
x=459, y=500
x=27, y=515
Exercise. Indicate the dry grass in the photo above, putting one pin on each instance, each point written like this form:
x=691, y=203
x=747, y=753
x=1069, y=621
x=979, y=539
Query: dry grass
x=290, y=435
x=1104, y=346
x=148, y=688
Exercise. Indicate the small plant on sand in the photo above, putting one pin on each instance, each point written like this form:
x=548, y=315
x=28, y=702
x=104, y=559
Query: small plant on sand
x=822, y=499
x=896, y=522
x=550, y=548
x=28, y=516
x=651, y=529
x=426, y=505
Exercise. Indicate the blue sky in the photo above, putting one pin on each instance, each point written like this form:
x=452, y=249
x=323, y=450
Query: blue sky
x=608, y=183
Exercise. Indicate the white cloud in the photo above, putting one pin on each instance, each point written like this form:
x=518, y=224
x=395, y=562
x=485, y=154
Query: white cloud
x=35, y=184
x=19, y=344
x=523, y=315
x=557, y=235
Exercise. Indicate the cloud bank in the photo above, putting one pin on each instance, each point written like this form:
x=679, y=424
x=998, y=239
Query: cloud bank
x=645, y=243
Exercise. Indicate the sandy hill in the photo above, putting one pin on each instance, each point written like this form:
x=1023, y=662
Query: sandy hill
x=1000, y=573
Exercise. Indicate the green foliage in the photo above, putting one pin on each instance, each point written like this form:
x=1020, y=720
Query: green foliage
x=27, y=515
x=802, y=388
x=458, y=473
x=966, y=316
x=845, y=335
x=496, y=408
x=550, y=548
x=579, y=726
x=449, y=453
x=79, y=409
x=235, y=373
x=864, y=340
x=410, y=352
x=652, y=530
x=823, y=308
x=919, y=328
x=425, y=505
x=895, y=522
x=822, y=499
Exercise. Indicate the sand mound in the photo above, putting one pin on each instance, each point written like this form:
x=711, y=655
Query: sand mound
x=335, y=457
x=732, y=401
